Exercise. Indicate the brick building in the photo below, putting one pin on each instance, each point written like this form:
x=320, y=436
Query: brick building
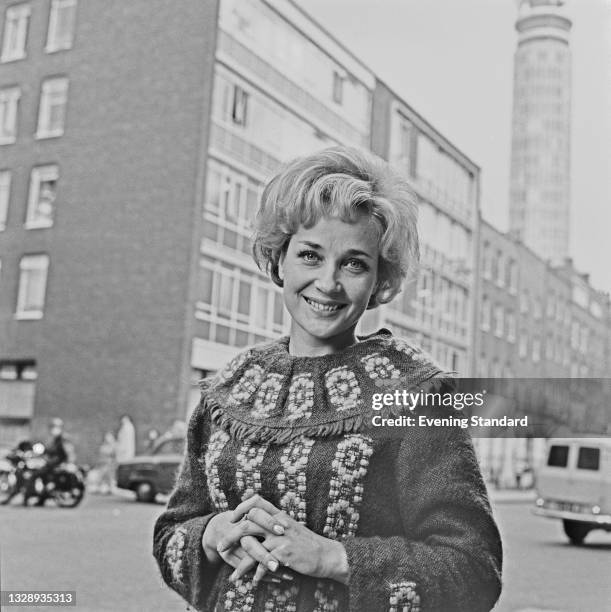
x=102, y=163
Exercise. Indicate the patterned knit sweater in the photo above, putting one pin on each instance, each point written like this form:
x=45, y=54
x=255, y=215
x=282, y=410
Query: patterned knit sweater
x=411, y=510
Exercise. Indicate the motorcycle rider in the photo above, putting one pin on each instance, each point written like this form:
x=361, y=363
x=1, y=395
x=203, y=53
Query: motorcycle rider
x=56, y=452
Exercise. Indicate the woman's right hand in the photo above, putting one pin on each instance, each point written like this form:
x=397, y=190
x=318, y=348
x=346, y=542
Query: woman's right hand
x=237, y=556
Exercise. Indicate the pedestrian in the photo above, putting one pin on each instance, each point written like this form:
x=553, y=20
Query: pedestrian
x=151, y=439
x=107, y=463
x=126, y=440
x=287, y=500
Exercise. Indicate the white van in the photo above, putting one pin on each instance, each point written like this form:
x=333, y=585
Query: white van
x=575, y=485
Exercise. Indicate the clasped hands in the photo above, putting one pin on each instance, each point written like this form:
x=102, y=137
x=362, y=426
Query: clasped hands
x=258, y=534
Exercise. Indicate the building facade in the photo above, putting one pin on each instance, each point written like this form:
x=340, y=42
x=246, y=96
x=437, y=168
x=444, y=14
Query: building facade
x=435, y=308
x=100, y=174
x=539, y=198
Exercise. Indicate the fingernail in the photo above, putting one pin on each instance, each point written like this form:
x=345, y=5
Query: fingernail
x=278, y=529
x=272, y=565
x=233, y=577
x=276, y=580
x=287, y=576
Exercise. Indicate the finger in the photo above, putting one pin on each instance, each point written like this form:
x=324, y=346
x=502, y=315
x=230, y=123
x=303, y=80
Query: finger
x=256, y=501
x=265, y=520
x=233, y=536
x=260, y=554
x=233, y=556
x=269, y=563
x=245, y=565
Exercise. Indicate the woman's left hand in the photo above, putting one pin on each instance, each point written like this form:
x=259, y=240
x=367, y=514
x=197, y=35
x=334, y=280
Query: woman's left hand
x=291, y=543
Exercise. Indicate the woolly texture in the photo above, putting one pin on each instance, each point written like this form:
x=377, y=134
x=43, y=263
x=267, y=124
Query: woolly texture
x=412, y=513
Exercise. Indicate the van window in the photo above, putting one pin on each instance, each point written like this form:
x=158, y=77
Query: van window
x=558, y=456
x=588, y=458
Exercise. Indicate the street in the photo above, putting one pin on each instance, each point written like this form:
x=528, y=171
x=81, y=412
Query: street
x=102, y=550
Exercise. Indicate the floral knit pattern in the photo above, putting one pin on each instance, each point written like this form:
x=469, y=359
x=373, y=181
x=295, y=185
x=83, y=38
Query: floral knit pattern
x=379, y=366
x=233, y=366
x=267, y=396
x=218, y=440
x=248, y=471
x=247, y=385
x=301, y=398
x=281, y=599
x=403, y=597
x=342, y=388
x=346, y=488
x=325, y=597
x=292, y=477
x=238, y=596
x=174, y=553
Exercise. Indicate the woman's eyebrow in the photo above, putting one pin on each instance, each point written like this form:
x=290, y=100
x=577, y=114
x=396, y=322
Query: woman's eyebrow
x=312, y=245
x=353, y=252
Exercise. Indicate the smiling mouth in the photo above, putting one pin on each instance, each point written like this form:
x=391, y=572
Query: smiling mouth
x=320, y=307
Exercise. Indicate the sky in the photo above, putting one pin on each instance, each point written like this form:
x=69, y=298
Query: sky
x=452, y=61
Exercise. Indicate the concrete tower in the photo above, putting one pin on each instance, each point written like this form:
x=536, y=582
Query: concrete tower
x=540, y=148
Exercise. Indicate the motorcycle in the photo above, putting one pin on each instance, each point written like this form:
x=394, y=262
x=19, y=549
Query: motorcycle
x=20, y=474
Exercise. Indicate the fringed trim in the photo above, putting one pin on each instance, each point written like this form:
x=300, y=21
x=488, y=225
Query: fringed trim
x=283, y=431
x=241, y=429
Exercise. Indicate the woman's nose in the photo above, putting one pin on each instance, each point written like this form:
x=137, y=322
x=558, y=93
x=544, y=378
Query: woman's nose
x=327, y=280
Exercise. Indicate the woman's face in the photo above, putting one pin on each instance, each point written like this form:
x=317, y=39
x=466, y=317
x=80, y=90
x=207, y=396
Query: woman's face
x=329, y=273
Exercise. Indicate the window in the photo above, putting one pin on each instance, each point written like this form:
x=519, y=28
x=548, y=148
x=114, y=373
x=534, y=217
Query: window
x=32, y=286
x=500, y=269
x=9, y=99
x=536, y=349
x=498, y=321
x=524, y=302
x=15, y=32
x=511, y=327
x=41, y=202
x=523, y=346
x=61, y=25
x=588, y=458
x=558, y=456
x=487, y=261
x=239, y=111
x=5, y=190
x=486, y=313
x=52, y=109
x=338, y=87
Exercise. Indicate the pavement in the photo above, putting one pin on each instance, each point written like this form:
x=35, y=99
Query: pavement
x=517, y=496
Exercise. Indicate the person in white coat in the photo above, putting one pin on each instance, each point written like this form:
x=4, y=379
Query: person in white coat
x=126, y=440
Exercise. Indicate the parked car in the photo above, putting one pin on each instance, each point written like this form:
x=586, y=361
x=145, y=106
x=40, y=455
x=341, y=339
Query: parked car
x=148, y=475
x=574, y=485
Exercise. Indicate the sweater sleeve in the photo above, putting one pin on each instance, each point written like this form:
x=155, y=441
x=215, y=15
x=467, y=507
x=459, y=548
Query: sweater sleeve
x=177, y=539
x=449, y=556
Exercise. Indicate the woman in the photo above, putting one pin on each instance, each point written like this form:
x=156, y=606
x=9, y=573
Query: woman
x=287, y=500
x=107, y=463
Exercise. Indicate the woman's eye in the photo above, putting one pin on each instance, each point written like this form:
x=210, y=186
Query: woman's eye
x=308, y=256
x=356, y=265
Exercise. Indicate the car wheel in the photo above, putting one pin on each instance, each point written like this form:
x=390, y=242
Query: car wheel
x=145, y=492
x=575, y=531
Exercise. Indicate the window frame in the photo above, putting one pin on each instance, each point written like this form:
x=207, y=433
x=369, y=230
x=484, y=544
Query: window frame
x=22, y=292
x=53, y=44
x=54, y=86
x=6, y=178
x=38, y=175
x=19, y=14
x=9, y=101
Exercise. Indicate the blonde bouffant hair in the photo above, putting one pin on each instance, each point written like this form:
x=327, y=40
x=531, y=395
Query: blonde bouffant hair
x=343, y=183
